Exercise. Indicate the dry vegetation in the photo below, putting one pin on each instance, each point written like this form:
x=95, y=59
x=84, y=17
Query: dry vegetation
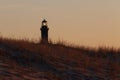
x=24, y=60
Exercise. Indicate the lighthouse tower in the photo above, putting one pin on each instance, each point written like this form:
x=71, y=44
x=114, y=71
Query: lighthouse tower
x=44, y=32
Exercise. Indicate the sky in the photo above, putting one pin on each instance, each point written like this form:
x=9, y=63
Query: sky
x=91, y=23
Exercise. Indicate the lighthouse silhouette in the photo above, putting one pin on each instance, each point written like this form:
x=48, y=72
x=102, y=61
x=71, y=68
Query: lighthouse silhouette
x=44, y=32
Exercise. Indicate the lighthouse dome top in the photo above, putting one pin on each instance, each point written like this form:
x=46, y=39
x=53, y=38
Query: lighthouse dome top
x=44, y=20
x=44, y=23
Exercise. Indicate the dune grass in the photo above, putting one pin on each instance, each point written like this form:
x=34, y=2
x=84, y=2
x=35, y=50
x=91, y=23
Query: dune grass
x=65, y=60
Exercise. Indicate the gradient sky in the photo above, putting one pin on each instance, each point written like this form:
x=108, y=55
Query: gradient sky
x=82, y=22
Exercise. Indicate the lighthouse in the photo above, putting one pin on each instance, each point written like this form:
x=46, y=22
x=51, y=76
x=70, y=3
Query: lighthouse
x=44, y=32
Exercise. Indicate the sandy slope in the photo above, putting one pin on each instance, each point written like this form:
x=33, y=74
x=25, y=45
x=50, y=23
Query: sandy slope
x=21, y=60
